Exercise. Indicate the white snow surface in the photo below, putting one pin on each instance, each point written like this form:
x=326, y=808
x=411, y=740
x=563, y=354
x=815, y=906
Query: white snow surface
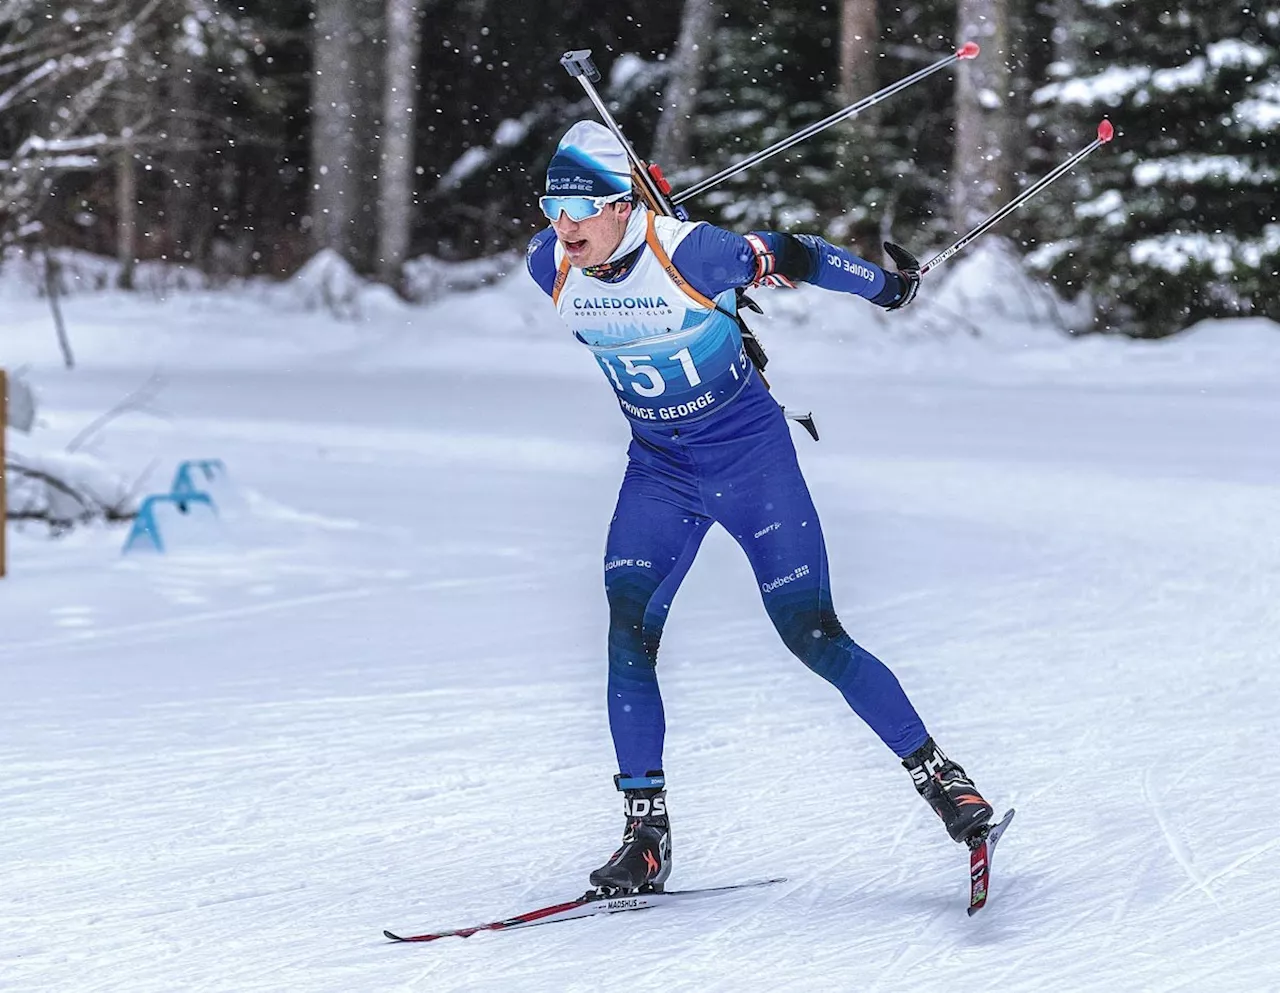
x=377, y=700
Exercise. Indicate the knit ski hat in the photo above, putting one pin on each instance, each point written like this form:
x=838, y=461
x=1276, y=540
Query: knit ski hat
x=589, y=161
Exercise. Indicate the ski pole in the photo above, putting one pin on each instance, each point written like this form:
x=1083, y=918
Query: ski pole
x=968, y=50
x=1105, y=133
x=578, y=64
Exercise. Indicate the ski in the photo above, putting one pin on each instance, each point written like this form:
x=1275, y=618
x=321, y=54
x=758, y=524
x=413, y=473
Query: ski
x=587, y=905
x=981, y=849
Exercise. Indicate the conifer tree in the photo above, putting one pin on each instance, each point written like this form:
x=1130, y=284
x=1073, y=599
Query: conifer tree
x=1177, y=220
x=878, y=176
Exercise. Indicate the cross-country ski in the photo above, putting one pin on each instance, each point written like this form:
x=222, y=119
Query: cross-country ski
x=592, y=903
x=982, y=850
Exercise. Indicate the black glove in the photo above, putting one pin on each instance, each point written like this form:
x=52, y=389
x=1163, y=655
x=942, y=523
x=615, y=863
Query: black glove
x=908, y=273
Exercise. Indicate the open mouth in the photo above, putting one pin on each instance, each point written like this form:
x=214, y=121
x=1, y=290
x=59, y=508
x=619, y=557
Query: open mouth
x=574, y=247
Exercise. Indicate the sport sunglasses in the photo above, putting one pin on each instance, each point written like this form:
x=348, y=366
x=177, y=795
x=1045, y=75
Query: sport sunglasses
x=578, y=208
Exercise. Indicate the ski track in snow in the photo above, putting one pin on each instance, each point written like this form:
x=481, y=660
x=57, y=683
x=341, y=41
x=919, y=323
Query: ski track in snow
x=229, y=768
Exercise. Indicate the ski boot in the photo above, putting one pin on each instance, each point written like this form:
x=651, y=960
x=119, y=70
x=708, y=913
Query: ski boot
x=643, y=862
x=949, y=792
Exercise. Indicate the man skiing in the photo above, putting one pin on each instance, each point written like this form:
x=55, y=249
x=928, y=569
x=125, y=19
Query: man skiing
x=654, y=298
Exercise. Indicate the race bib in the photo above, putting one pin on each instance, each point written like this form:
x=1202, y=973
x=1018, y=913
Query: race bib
x=679, y=377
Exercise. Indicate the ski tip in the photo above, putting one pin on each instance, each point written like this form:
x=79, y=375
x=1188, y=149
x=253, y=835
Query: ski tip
x=969, y=50
x=392, y=937
x=1105, y=131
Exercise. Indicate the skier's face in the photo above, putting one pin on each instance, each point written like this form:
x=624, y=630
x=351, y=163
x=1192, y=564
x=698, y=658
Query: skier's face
x=592, y=241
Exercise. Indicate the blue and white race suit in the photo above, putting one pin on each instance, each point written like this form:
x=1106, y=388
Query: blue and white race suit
x=709, y=445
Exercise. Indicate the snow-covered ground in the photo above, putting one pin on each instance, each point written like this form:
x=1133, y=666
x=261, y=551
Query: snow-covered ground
x=377, y=700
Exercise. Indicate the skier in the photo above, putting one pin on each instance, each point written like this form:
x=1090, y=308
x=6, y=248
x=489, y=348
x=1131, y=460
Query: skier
x=654, y=298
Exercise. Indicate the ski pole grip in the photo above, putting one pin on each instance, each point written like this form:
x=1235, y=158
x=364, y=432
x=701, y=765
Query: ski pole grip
x=578, y=63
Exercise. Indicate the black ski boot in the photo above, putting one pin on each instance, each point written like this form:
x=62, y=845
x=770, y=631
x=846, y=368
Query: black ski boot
x=643, y=862
x=948, y=791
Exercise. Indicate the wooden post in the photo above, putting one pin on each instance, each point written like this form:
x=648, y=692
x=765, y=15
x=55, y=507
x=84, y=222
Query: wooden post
x=4, y=503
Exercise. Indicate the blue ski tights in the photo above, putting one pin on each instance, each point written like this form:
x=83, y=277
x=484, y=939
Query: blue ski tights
x=739, y=469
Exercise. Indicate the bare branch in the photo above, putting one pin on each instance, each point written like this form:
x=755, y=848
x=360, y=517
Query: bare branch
x=85, y=143
x=137, y=400
x=47, y=70
x=28, y=59
x=60, y=163
x=90, y=507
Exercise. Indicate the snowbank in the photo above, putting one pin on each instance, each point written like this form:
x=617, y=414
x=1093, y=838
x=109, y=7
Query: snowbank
x=980, y=317
x=328, y=284
x=80, y=273
x=427, y=279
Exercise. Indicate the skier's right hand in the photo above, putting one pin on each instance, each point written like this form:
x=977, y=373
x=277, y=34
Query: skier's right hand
x=908, y=274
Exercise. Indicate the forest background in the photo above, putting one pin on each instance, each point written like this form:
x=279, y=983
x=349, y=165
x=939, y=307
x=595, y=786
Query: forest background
x=238, y=139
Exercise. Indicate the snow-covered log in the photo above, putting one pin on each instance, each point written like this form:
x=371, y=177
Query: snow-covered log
x=65, y=489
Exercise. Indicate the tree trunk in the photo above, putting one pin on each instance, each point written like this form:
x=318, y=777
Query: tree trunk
x=186, y=193
x=984, y=148
x=126, y=211
x=345, y=98
x=130, y=98
x=673, y=144
x=331, y=134
x=859, y=30
x=399, y=130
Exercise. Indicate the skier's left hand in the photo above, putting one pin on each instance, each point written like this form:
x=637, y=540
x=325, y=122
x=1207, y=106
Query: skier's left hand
x=908, y=273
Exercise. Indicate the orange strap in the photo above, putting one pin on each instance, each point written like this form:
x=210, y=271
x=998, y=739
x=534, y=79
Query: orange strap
x=562, y=273
x=664, y=260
